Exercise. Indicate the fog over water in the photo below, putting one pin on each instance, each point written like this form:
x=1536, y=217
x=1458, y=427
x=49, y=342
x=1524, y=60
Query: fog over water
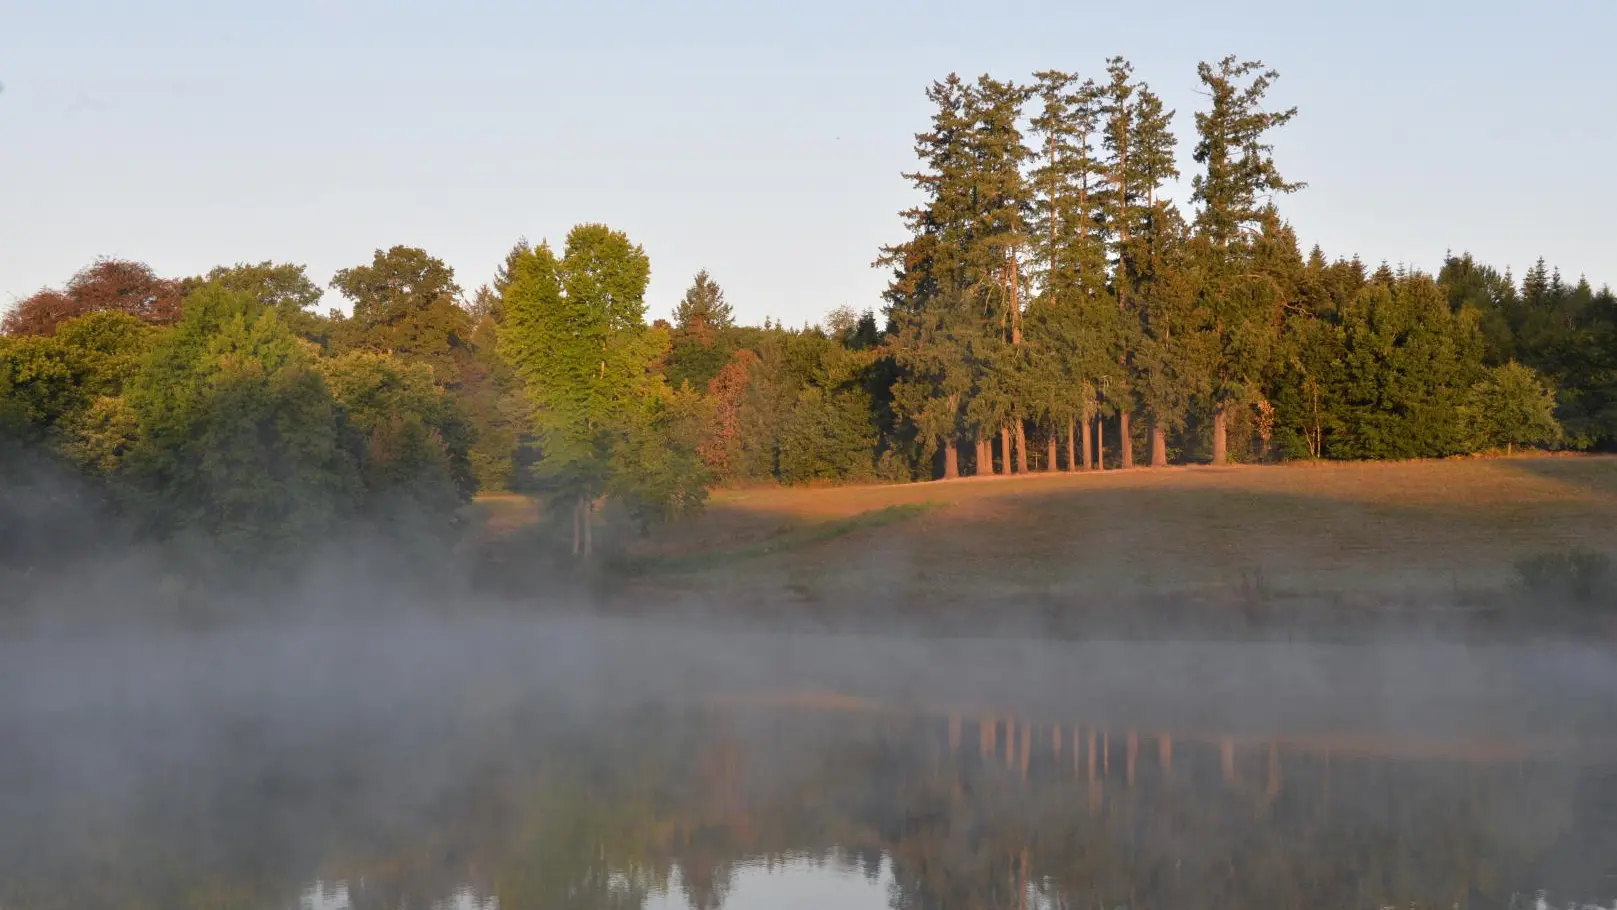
x=493, y=761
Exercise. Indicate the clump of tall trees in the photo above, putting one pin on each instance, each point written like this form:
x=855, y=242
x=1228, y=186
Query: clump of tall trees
x=1049, y=308
x=1049, y=300
x=235, y=414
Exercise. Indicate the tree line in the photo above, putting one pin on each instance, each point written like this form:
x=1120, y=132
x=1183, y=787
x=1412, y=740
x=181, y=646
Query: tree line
x=1050, y=308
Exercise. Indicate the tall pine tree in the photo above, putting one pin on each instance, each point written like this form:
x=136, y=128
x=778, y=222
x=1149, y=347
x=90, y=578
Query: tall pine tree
x=1074, y=319
x=928, y=299
x=1235, y=193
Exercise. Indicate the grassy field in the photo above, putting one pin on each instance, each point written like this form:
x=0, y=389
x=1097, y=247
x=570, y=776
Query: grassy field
x=1343, y=533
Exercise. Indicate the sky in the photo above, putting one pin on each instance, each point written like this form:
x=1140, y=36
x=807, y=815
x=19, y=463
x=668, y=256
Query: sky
x=764, y=142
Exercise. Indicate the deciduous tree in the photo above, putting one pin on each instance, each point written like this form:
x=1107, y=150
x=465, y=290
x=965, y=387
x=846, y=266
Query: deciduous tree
x=106, y=285
x=575, y=333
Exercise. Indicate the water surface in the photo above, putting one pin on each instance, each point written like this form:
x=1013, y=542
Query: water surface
x=554, y=765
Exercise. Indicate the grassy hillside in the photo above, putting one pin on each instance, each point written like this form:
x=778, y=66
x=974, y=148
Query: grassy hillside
x=1360, y=533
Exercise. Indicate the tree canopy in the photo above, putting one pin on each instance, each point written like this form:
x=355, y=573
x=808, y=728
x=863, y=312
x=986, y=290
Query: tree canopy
x=1048, y=308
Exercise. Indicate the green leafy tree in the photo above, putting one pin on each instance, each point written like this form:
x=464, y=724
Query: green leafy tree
x=409, y=437
x=575, y=333
x=237, y=433
x=1511, y=406
x=99, y=438
x=37, y=388
x=108, y=348
x=491, y=395
x=405, y=303
x=656, y=469
x=283, y=287
x=47, y=383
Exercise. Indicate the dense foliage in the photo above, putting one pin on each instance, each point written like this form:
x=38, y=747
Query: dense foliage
x=1049, y=308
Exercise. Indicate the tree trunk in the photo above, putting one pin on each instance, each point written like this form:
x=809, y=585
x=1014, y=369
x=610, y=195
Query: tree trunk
x=1220, y=422
x=1100, y=443
x=1125, y=440
x=1021, y=447
x=1089, y=449
x=951, y=460
x=1072, y=444
x=578, y=537
x=588, y=507
x=1159, y=446
x=1016, y=300
x=1050, y=453
x=1005, y=448
x=985, y=458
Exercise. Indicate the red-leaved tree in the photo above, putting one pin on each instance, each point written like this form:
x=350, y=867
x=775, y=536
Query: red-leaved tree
x=117, y=285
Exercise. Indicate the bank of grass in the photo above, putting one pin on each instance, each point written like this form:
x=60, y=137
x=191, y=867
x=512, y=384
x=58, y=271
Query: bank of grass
x=790, y=538
x=1352, y=535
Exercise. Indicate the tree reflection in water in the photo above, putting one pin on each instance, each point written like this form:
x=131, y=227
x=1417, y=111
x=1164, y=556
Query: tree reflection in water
x=546, y=809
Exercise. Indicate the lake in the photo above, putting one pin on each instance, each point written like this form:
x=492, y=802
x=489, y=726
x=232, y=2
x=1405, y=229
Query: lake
x=527, y=764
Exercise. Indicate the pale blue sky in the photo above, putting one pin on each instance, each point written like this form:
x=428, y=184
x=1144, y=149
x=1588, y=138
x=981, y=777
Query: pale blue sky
x=761, y=141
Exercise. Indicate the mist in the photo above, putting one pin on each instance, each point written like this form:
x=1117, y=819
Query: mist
x=291, y=737
x=178, y=722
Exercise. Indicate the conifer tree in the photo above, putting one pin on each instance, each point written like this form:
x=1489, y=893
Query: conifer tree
x=931, y=298
x=703, y=306
x=1155, y=272
x=997, y=237
x=1235, y=192
x=1403, y=366
x=1075, y=321
x=1139, y=159
x=1171, y=353
x=702, y=340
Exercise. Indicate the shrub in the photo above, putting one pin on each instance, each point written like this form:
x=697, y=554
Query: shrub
x=1579, y=576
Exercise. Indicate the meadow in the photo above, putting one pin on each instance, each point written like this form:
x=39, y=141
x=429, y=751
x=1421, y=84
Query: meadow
x=1348, y=536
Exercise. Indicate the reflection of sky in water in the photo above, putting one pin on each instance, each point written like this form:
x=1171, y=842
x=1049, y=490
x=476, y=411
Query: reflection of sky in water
x=800, y=884
x=334, y=896
x=439, y=792
x=325, y=896
x=1540, y=902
